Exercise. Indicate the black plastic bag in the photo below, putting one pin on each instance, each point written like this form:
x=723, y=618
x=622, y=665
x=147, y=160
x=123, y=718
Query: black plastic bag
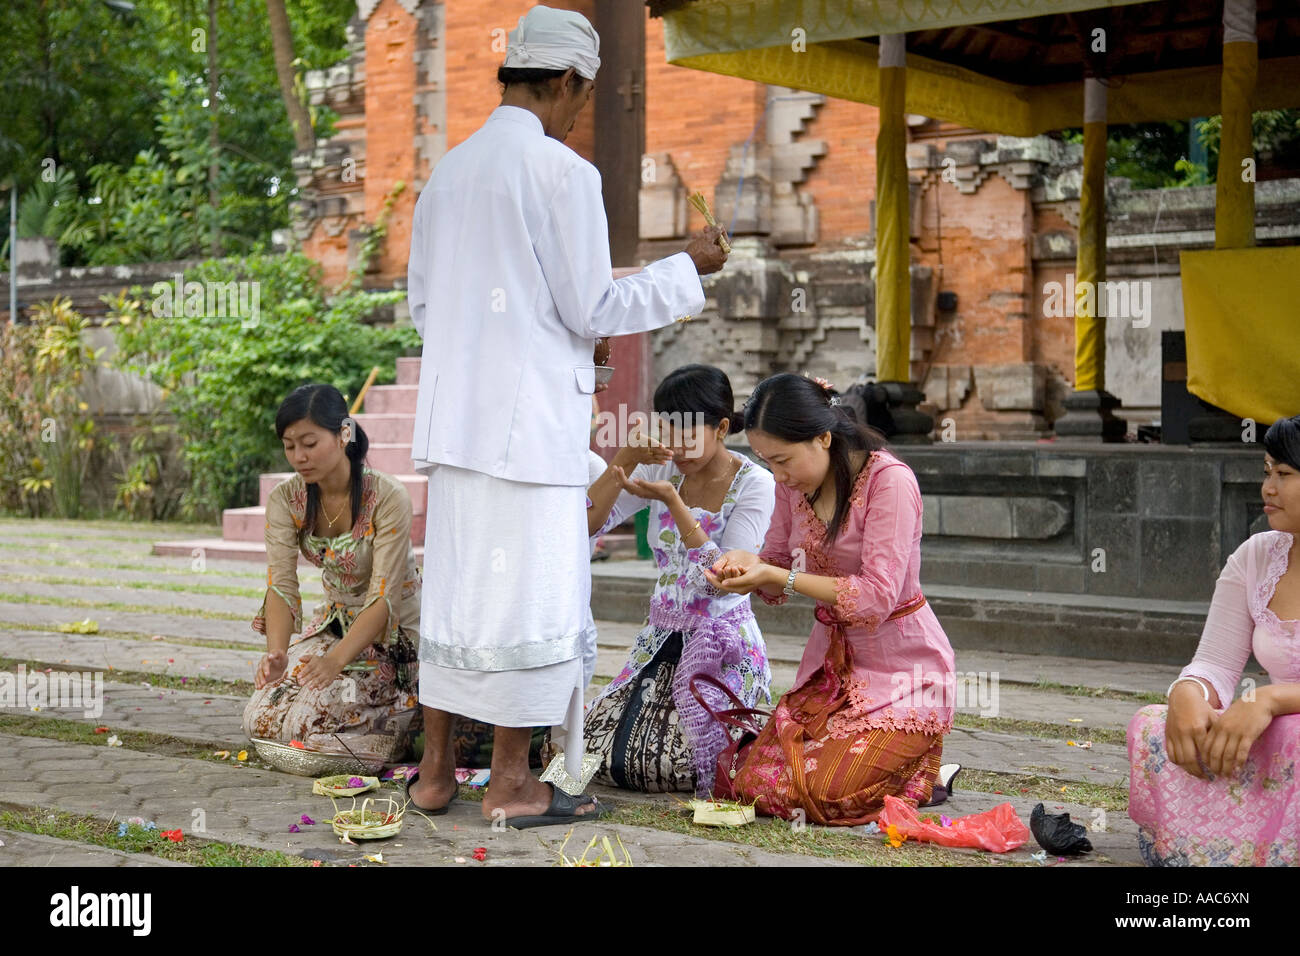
x=1056, y=834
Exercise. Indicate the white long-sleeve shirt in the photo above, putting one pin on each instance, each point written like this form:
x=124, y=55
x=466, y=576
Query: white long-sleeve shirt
x=509, y=284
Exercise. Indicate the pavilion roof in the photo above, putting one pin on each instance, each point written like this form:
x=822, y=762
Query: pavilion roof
x=1010, y=66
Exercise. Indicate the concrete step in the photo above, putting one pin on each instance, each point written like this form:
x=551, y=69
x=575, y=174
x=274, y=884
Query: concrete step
x=249, y=524
x=408, y=370
x=221, y=549
x=1012, y=671
x=984, y=619
x=394, y=458
x=392, y=399
x=416, y=485
x=387, y=429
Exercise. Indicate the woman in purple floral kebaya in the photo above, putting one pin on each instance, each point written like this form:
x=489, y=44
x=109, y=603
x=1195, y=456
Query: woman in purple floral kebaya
x=704, y=500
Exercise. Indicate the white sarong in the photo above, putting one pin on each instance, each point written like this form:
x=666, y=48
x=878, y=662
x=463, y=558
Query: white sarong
x=504, y=620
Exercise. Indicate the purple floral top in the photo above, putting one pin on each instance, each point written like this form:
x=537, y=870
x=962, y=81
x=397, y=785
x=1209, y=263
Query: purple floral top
x=683, y=599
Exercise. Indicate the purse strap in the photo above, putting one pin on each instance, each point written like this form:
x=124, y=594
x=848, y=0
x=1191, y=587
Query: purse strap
x=733, y=717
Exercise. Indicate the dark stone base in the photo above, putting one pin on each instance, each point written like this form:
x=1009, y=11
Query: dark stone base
x=1089, y=417
x=907, y=425
x=1215, y=426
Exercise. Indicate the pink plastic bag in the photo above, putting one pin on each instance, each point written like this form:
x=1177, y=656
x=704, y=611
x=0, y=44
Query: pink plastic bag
x=998, y=829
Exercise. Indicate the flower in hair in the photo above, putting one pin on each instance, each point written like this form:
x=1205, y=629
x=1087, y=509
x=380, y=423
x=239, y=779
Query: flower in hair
x=835, y=399
x=820, y=381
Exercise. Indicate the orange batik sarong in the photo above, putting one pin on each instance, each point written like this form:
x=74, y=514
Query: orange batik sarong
x=810, y=758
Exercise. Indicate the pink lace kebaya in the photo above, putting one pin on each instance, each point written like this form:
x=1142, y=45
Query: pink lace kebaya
x=1250, y=817
x=903, y=676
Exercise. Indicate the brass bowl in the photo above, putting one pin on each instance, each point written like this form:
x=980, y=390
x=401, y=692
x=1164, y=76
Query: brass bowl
x=312, y=763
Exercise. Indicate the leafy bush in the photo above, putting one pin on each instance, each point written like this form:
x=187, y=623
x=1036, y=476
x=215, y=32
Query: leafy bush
x=47, y=433
x=224, y=377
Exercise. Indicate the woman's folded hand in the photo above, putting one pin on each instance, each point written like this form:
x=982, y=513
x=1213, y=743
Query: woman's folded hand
x=319, y=672
x=1228, y=743
x=270, y=668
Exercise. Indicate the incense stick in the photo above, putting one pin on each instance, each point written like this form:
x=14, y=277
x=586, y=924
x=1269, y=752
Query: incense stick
x=698, y=201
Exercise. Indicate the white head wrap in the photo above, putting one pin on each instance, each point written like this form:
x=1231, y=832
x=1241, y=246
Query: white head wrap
x=550, y=39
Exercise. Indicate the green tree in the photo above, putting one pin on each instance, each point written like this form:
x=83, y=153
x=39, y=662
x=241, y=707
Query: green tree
x=1156, y=155
x=224, y=377
x=84, y=81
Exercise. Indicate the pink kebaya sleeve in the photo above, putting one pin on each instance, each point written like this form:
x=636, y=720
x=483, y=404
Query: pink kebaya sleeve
x=1229, y=628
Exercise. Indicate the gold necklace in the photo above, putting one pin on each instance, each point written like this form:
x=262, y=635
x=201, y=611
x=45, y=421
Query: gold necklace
x=709, y=484
x=336, y=517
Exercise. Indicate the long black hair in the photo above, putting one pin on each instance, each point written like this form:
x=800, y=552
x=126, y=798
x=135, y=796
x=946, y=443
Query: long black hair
x=699, y=390
x=325, y=407
x=1282, y=441
x=793, y=408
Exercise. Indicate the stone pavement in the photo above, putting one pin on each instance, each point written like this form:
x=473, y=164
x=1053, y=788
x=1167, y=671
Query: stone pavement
x=53, y=573
x=255, y=808
x=214, y=720
x=32, y=849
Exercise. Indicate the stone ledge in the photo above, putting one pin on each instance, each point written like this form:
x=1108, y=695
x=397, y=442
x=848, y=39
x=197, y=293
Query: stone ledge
x=975, y=618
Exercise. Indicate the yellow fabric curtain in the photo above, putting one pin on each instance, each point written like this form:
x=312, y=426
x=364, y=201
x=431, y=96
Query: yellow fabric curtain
x=1240, y=310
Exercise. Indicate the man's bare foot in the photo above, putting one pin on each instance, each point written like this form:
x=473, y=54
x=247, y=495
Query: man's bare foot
x=433, y=792
x=526, y=798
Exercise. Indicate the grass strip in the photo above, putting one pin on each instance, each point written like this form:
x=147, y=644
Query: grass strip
x=782, y=836
x=108, y=531
x=223, y=590
x=21, y=522
x=1107, y=693
x=142, y=741
x=196, y=851
x=1040, y=729
x=197, y=685
x=136, y=636
x=256, y=571
x=143, y=540
x=120, y=606
x=1050, y=790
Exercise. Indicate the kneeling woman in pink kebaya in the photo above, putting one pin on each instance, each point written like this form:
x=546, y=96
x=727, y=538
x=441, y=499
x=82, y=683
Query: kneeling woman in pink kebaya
x=872, y=697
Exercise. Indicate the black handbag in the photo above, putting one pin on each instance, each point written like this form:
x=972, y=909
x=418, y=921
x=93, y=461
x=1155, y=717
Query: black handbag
x=636, y=732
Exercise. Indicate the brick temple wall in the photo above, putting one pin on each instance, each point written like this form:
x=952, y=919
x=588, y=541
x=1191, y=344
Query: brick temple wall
x=993, y=218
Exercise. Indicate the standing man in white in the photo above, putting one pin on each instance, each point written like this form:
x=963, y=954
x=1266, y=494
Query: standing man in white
x=509, y=285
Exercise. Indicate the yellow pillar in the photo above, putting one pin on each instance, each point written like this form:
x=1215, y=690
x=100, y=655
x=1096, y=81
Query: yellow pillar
x=1090, y=255
x=1234, y=192
x=893, y=256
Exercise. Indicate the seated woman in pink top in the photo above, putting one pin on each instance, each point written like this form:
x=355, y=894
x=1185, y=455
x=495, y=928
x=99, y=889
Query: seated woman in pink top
x=873, y=696
x=1216, y=781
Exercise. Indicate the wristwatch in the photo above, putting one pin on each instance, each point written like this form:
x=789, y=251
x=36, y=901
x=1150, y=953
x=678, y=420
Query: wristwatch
x=789, y=584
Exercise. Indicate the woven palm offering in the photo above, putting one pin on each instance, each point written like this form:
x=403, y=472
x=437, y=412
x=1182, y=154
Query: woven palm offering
x=344, y=785
x=721, y=813
x=606, y=858
x=374, y=821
